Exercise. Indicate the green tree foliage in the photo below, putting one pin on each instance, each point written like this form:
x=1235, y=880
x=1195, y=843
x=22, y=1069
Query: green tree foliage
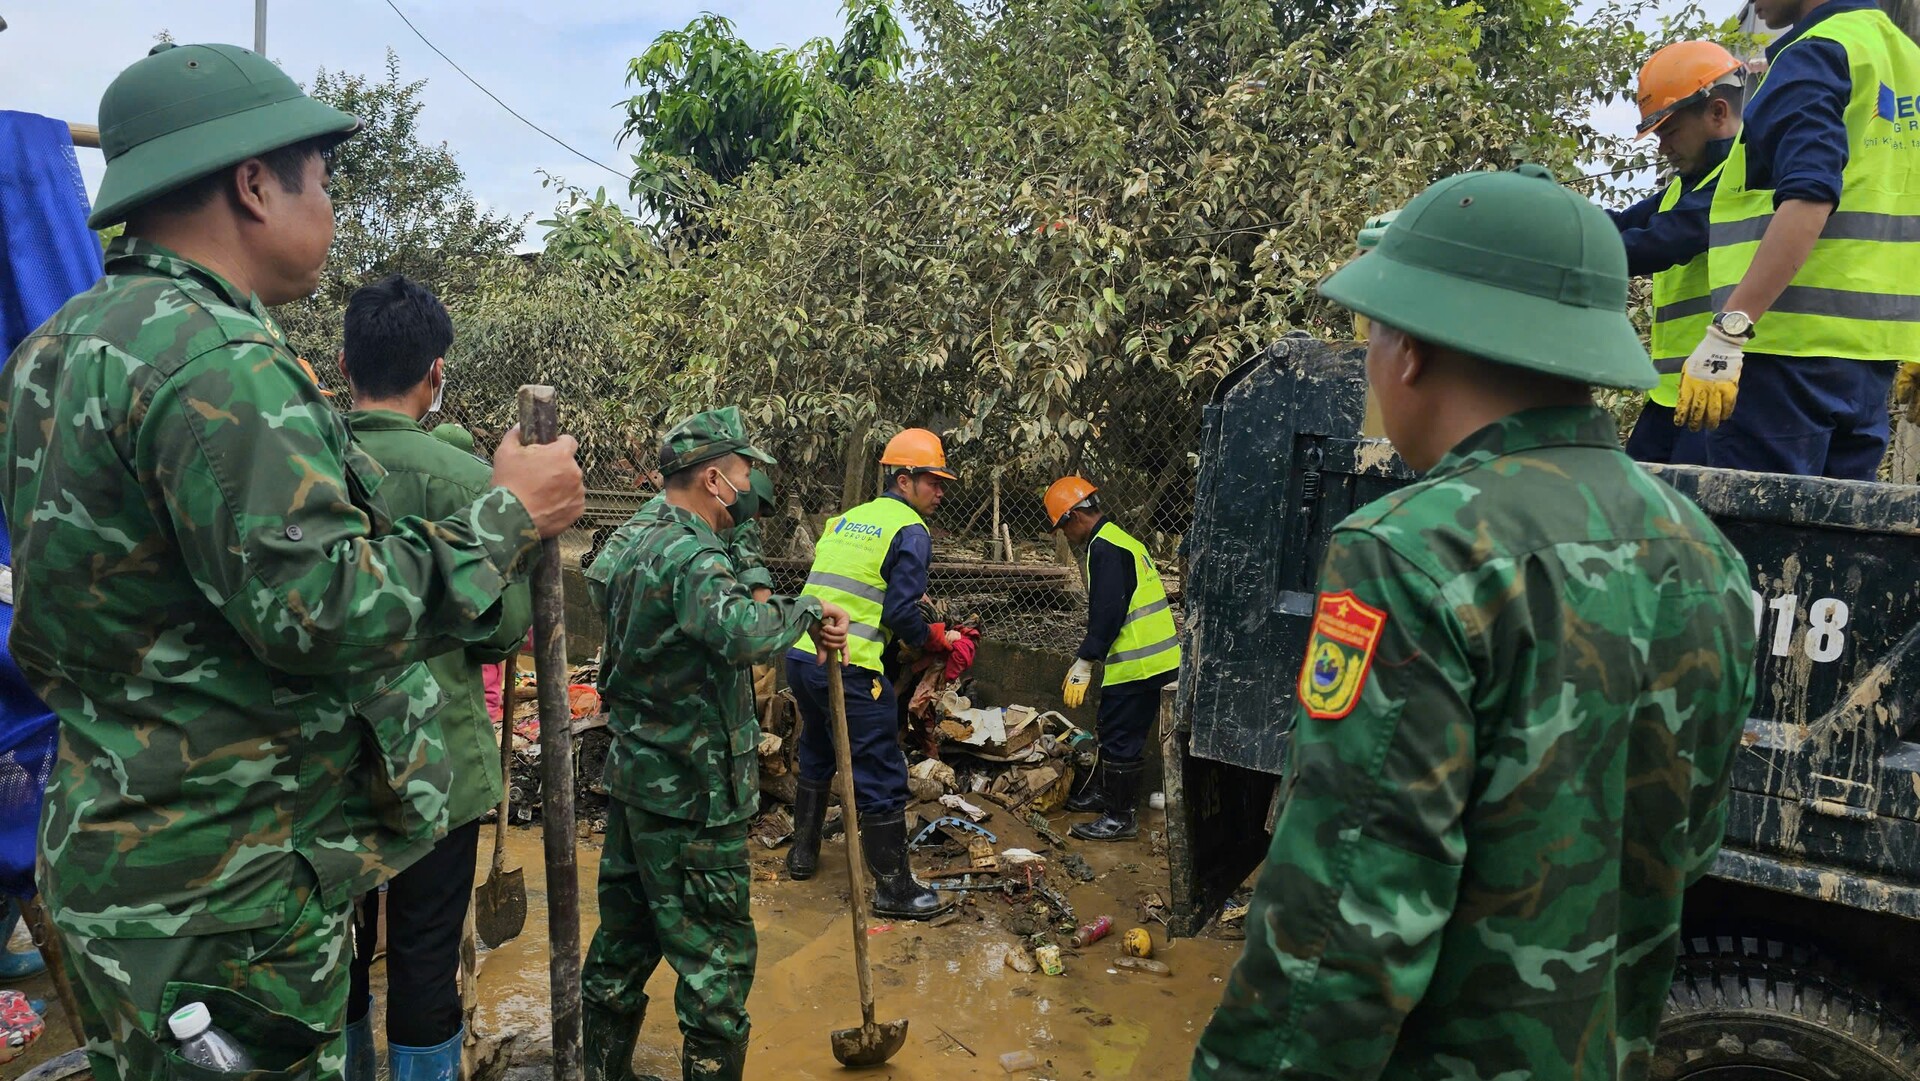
x=400, y=206
x=1055, y=235
x=710, y=106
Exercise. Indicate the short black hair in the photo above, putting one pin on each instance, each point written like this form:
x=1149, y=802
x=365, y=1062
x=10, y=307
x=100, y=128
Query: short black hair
x=1734, y=94
x=395, y=330
x=288, y=163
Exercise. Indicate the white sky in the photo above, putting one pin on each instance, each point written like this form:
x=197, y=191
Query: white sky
x=562, y=63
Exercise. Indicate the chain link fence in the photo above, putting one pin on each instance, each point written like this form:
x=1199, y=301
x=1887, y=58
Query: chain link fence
x=997, y=564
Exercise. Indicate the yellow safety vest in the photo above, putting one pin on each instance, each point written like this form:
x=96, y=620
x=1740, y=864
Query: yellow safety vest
x=1682, y=305
x=1148, y=644
x=1858, y=296
x=846, y=571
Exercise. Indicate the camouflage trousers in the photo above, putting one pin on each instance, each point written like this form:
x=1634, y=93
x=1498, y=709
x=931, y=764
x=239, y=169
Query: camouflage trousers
x=674, y=890
x=280, y=991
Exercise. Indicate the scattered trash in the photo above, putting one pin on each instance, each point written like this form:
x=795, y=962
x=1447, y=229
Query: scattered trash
x=583, y=700
x=773, y=828
x=961, y=825
x=1041, y=827
x=1141, y=964
x=980, y=852
x=1049, y=959
x=1233, y=913
x=880, y=930
x=1137, y=942
x=1021, y=858
x=1092, y=932
x=1153, y=907
x=1018, y=1061
x=1157, y=801
x=1077, y=867
x=944, y=918
x=955, y=803
x=932, y=769
x=1019, y=960
x=770, y=745
x=20, y=1026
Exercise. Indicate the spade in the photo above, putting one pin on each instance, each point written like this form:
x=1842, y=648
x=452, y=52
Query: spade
x=500, y=905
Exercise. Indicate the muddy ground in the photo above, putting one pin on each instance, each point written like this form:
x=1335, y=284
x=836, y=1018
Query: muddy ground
x=965, y=1006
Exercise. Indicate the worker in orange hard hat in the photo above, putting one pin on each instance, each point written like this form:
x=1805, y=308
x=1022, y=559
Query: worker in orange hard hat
x=1130, y=630
x=873, y=562
x=1689, y=95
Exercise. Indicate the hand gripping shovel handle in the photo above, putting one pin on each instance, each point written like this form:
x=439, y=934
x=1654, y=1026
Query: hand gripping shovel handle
x=856, y=858
x=539, y=423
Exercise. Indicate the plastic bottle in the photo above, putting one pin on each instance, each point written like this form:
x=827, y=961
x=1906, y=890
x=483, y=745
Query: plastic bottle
x=1141, y=964
x=206, y=1046
x=1092, y=932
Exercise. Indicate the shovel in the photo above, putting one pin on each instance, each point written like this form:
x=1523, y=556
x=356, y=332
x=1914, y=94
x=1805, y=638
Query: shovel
x=873, y=1042
x=500, y=905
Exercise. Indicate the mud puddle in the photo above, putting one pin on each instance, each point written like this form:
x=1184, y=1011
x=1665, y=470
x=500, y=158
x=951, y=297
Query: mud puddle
x=965, y=1006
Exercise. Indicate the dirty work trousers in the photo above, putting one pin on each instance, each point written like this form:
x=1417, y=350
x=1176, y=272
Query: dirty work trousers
x=1655, y=438
x=674, y=890
x=279, y=990
x=1810, y=416
x=873, y=731
x=1126, y=715
x=426, y=920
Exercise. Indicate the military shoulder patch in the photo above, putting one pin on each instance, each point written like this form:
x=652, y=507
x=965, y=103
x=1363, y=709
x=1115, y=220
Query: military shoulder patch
x=1346, y=631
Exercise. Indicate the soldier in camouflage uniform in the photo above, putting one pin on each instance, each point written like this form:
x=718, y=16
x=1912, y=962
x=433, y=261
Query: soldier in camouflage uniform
x=682, y=631
x=219, y=609
x=1522, y=692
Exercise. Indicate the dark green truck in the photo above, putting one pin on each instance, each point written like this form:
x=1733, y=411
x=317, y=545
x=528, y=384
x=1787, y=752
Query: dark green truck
x=1801, y=954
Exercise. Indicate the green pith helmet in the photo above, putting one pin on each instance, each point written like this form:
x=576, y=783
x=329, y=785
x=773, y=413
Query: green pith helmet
x=1509, y=266
x=705, y=436
x=189, y=110
x=1371, y=232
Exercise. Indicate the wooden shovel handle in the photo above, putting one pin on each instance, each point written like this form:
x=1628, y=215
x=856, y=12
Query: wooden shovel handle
x=850, y=817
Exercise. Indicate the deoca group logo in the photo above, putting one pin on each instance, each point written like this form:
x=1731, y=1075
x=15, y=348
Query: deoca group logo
x=1900, y=110
x=857, y=527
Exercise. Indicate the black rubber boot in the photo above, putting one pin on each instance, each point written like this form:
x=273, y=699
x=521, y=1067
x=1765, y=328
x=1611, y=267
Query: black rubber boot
x=1090, y=795
x=709, y=1060
x=1120, y=819
x=607, y=1040
x=896, y=893
x=809, y=811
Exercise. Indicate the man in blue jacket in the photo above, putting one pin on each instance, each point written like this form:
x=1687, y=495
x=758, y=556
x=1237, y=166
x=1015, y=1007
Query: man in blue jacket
x=1814, y=234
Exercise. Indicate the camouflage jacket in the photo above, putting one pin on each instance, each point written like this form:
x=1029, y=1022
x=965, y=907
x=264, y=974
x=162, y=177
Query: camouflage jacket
x=428, y=477
x=221, y=612
x=744, y=543
x=1525, y=682
x=682, y=632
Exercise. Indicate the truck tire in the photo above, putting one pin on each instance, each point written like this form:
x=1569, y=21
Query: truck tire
x=1756, y=1009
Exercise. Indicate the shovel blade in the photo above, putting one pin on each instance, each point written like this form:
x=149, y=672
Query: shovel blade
x=500, y=907
x=871, y=1044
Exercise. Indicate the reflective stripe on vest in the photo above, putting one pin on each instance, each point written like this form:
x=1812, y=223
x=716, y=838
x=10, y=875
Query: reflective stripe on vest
x=1148, y=644
x=1682, y=306
x=1857, y=297
x=846, y=571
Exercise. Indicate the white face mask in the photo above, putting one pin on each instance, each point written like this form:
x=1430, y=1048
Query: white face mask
x=439, y=395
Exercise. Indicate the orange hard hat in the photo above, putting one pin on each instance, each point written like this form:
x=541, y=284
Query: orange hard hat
x=917, y=451
x=1065, y=494
x=1681, y=75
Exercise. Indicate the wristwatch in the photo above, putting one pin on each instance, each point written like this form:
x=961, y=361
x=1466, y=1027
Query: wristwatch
x=1734, y=325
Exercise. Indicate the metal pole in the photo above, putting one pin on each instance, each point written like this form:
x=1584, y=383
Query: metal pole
x=260, y=27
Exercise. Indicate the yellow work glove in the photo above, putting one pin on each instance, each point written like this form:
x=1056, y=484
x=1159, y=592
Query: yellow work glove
x=1074, y=690
x=1709, y=382
x=1906, y=390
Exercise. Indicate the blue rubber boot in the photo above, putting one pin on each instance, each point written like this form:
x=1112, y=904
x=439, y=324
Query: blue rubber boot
x=440, y=1063
x=16, y=966
x=360, y=1060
